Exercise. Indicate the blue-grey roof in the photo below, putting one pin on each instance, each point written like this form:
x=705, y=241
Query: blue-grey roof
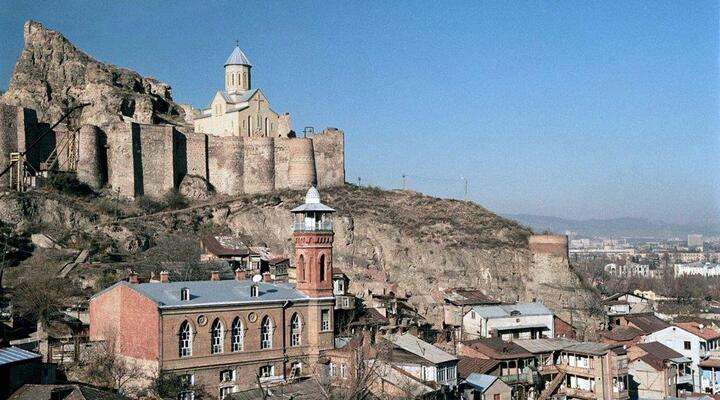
x=239, y=97
x=9, y=355
x=508, y=310
x=223, y=292
x=422, y=348
x=237, y=57
x=480, y=381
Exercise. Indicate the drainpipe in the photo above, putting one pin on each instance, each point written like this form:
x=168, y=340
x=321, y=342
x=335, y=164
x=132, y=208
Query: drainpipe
x=285, y=306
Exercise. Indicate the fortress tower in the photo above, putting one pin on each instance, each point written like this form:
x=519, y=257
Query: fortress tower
x=313, y=237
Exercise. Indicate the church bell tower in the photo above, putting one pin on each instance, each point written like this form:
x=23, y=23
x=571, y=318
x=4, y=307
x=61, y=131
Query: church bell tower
x=237, y=72
x=313, y=238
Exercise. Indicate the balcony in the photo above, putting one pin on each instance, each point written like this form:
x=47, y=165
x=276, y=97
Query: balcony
x=683, y=379
x=312, y=226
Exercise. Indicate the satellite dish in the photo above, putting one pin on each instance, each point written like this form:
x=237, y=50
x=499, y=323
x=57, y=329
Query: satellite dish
x=257, y=278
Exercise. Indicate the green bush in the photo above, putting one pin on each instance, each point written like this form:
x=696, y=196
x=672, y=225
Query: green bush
x=67, y=183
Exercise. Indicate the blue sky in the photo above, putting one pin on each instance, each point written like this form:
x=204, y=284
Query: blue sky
x=571, y=109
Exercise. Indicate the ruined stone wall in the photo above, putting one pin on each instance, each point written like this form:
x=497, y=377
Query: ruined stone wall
x=9, y=132
x=281, y=162
x=301, y=163
x=225, y=164
x=196, y=145
x=123, y=170
x=90, y=162
x=157, y=152
x=329, y=147
x=258, y=165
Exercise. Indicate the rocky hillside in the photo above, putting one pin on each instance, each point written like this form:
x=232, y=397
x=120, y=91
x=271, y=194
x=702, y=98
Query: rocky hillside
x=393, y=240
x=52, y=74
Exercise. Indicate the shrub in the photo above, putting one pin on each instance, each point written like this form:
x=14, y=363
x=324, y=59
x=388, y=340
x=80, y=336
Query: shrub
x=110, y=206
x=173, y=200
x=67, y=183
x=147, y=204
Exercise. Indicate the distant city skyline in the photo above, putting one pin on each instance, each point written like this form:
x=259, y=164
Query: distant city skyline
x=598, y=111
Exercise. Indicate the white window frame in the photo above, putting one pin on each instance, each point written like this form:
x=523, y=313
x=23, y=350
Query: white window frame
x=216, y=337
x=295, y=330
x=266, y=333
x=324, y=322
x=238, y=335
x=185, y=340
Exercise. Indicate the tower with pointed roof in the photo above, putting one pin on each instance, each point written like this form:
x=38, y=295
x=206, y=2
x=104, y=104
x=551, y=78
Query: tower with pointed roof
x=313, y=237
x=237, y=72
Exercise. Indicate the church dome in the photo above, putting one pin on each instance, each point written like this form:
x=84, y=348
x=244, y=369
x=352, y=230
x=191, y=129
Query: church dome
x=237, y=57
x=312, y=196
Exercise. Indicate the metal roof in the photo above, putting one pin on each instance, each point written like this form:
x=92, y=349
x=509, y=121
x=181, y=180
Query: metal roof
x=9, y=355
x=512, y=310
x=422, y=348
x=237, y=57
x=223, y=292
x=481, y=381
x=545, y=345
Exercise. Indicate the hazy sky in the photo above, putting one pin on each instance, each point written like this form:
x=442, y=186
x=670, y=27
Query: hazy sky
x=572, y=109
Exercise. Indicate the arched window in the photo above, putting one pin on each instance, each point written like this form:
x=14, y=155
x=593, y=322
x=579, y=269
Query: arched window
x=245, y=80
x=267, y=126
x=232, y=79
x=249, y=125
x=266, y=333
x=216, y=337
x=301, y=269
x=238, y=335
x=185, y=339
x=295, y=330
x=322, y=268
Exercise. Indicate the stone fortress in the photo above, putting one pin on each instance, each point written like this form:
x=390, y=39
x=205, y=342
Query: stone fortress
x=237, y=145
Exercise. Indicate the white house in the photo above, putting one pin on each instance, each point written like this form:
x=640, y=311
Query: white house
x=691, y=340
x=514, y=321
x=423, y=361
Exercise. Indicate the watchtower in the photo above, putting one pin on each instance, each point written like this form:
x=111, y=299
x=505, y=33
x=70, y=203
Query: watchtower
x=313, y=236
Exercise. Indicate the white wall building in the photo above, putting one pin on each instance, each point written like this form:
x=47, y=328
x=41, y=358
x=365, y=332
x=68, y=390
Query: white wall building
x=516, y=321
x=698, y=268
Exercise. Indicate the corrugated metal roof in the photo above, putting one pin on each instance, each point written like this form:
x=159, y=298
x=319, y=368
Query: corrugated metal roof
x=512, y=310
x=9, y=355
x=545, y=345
x=481, y=381
x=422, y=348
x=237, y=57
x=229, y=291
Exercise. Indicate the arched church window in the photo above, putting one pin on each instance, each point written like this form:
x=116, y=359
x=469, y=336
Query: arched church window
x=267, y=126
x=238, y=335
x=216, y=337
x=295, y=330
x=185, y=340
x=266, y=333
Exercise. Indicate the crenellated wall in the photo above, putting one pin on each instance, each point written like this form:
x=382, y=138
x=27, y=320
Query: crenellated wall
x=135, y=159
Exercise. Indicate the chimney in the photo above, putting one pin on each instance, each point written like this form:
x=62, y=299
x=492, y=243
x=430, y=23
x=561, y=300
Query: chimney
x=239, y=276
x=215, y=275
x=266, y=277
x=133, y=278
x=164, y=277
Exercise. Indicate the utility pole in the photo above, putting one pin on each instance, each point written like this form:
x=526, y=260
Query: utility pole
x=359, y=181
x=466, y=186
x=404, y=183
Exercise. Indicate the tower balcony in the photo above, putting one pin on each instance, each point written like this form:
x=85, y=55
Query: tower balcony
x=312, y=226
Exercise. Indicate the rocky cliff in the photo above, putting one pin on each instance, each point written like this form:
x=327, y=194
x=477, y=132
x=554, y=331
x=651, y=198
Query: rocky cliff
x=52, y=74
x=385, y=240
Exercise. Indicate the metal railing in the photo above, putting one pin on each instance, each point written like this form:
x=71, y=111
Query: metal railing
x=312, y=226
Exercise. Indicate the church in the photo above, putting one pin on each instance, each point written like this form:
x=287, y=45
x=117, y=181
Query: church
x=240, y=110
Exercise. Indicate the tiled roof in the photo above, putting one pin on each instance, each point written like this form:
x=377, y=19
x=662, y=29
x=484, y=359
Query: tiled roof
x=648, y=323
x=622, y=333
x=699, y=330
x=9, y=355
x=225, y=246
x=507, y=310
x=659, y=350
x=497, y=348
x=223, y=292
x=469, y=365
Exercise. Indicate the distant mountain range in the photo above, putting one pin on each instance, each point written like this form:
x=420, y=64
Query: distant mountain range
x=616, y=227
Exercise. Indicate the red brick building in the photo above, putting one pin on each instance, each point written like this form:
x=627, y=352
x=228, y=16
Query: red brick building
x=225, y=334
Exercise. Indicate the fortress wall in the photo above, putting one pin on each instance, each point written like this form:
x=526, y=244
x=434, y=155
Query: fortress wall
x=9, y=133
x=157, y=159
x=225, y=164
x=123, y=170
x=554, y=245
x=196, y=145
x=63, y=148
x=284, y=125
x=301, y=168
x=281, y=163
x=258, y=166
x=329, y=148
x=90, y=168
x=31, y=130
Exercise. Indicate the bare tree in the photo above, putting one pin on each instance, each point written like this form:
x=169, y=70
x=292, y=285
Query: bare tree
x=41, y=295
x=107, y=368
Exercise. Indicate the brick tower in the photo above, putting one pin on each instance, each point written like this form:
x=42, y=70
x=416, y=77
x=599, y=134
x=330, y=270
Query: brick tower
x=313, y=237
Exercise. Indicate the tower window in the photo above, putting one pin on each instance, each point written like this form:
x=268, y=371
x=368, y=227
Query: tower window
x=322, y=268
x=301, y=269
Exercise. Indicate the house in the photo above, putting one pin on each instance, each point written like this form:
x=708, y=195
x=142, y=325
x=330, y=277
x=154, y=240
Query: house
x=627, y=303
x=485, y=387
x=457, y=302
x=18, y=367
x=625, y=335
x=223, y=334
x=658, y=372
x=593, y=370
x=647, y=323
x=512, y=321
x=563, y=328
x=344, y=300
x=421, y=360
x=251, y=260
x=63, y=392
x=690, y=339
x=515, y=365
